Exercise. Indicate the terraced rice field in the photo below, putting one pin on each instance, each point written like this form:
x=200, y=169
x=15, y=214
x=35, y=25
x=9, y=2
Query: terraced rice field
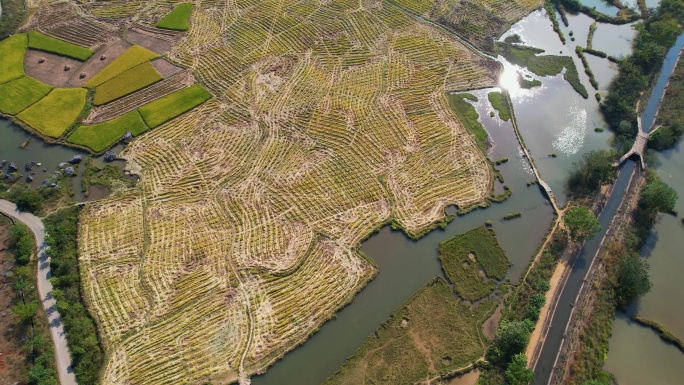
x=37, y=40
x=20, y=93
x=329, y=120
x=53, y=114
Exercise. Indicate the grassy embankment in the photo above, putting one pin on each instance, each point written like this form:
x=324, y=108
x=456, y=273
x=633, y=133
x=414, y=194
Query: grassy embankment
x=662, y=331
x=178, y=19
x=26, y=341
x=38, y=41
x=500, y=105
x=434, y=333
x=86, y=353
x=545, y=65
x=465, y=256
x=468, y=116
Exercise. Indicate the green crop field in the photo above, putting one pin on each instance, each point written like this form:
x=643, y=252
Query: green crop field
x=164, y=109
x=37, y=40
x=178, y=18
x=125, y=83
x=20, y=93
x=13, y=50
x=433, y=332
x=465, y=255
x=53, y=114
x=101, y=136
x=133, y=56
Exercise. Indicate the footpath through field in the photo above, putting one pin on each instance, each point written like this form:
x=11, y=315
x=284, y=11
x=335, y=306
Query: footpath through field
x=62, y=356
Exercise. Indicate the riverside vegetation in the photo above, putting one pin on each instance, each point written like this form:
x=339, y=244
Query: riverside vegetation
x=27, y=344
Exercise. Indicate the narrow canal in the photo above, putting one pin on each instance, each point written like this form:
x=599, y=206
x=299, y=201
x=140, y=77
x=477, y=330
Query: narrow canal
x=628, y=357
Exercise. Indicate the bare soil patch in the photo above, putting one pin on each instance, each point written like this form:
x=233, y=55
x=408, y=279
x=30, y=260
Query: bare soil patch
x=150, y=42
x=12, y=357
x=165, y=68
x=97, y=62
x=492, y=323
x=469, y=378
x=52, y=69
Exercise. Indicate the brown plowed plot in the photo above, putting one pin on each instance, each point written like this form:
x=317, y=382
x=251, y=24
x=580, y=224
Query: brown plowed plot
x=95, y=64
x=63, y=22
x=151, y=42
x=165, y=68
x=329, y=120
x=131, y=102
x=52, y=69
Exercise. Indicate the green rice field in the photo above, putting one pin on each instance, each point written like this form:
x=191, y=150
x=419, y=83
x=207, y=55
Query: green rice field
x=164, y=109
x=178, y=18
x=37, y=40
x=125, y=83
x=53, y=114
x=99, y=137
x=18, y=94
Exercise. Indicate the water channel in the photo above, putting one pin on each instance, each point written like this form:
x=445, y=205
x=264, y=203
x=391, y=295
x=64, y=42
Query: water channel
x=655, y=362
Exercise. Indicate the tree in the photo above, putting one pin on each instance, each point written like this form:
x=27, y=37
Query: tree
x=581, y=223
x=657, y=197
x=511, y=338
x=517, y=372
x=595, y=168
x=27, y=199
x=536, y=303
x=632, y=280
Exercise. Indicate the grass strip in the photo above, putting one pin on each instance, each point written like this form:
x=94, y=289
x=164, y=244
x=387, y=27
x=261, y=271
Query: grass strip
x=178, y=19
x=134, y=56
x=99, y=137
x=37, y=40
x=543, y=65
x=468, y=116
x=126, y=83
x=164, y=109
x=662, y=331
x=18, y=94
x=500, y=105
x=12, y=58
x=53, y=114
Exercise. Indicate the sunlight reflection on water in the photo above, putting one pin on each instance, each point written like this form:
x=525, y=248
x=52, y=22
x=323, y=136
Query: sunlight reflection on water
x=571, y=137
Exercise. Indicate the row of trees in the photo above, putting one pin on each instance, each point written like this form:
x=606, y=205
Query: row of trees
x=31, y=323
x=86, y=353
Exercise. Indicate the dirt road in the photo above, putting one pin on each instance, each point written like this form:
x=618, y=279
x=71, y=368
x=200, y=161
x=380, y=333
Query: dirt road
x=66, y=373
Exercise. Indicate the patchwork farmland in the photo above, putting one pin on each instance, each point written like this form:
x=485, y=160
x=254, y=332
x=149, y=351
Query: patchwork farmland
x=283, y=134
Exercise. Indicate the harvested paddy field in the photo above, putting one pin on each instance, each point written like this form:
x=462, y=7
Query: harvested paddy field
x=329, y=120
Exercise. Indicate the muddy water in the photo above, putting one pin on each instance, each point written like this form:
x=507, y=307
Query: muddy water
x=407, y=265
x=13, y=136
x=49, y=155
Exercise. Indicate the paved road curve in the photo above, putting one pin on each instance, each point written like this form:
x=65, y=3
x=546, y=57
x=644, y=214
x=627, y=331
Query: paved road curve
x=66, y=374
